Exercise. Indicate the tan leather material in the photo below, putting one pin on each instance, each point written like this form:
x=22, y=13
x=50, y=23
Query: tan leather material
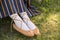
x=36, y=31
x=26, y=33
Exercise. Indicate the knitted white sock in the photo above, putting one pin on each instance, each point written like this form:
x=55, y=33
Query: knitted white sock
x=19, y=22
x=28, y=22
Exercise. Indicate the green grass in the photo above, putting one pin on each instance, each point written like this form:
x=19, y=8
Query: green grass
x=48, y=23
x=49, y=27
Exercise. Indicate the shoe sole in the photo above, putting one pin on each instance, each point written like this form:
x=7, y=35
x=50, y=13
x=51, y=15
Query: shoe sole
x=26, y=33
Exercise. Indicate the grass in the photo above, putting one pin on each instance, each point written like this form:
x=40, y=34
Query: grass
x=48, y=23
x=49, y=27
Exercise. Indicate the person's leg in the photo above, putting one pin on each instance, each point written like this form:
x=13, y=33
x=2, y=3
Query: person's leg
x=27, y=20
x=3, y=9
x=25, y=8
x=23, y=25
x=19, y=25
x=30, y=24
x=27, y=3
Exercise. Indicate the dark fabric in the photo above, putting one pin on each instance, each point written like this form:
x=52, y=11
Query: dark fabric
x=25, y=8
x=9, y=7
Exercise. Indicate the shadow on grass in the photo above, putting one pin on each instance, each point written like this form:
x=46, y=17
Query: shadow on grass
x=7, y=34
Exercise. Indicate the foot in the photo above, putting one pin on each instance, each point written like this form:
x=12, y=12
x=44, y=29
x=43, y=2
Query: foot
x=29, y=23
x=20, y=26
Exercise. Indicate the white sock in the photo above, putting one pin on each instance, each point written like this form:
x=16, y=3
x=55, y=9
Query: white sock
x=28, y=22
x=18, y=23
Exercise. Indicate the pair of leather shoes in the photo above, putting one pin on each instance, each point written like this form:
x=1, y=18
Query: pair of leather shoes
x=29, y=33
x=27, y=28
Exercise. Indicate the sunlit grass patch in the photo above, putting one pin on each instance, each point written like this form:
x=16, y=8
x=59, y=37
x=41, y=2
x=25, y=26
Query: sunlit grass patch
x=49, y=25
x=50, y=28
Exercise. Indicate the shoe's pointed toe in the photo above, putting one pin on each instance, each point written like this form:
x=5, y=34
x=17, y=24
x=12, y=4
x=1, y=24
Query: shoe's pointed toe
x=36, y=31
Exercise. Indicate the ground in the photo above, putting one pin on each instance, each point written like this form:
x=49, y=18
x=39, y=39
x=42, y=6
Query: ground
x=48, y=23
x=49, y=27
